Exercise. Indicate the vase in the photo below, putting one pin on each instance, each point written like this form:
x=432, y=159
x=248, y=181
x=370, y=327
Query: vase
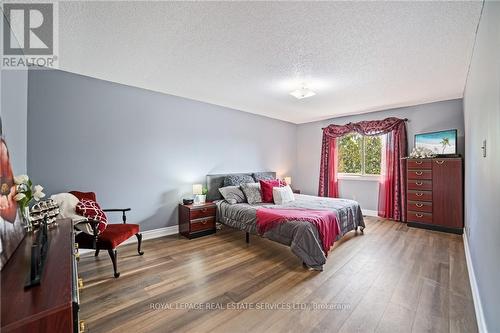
x=24, y=213
x=199, y=199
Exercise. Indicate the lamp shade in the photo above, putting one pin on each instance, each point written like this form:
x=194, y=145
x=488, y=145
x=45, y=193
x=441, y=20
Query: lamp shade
x=197, y=189
x=288, y=180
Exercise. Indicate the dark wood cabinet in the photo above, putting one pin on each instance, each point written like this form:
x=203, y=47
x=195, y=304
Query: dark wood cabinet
x=447, y=192
x=53, y=305
x=197, y=220
x=435, y=194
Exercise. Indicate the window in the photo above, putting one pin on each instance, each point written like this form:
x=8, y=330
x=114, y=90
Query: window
x=359, y=155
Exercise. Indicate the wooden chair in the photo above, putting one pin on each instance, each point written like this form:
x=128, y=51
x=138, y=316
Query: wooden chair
x=111, y=237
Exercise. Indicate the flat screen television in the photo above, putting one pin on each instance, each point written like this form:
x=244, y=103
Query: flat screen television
x=440, y=143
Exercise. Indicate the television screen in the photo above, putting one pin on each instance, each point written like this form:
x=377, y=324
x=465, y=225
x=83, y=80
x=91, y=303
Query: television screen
x=441, y=143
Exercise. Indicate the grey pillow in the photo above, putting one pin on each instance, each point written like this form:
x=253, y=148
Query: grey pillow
x=263, y=176
x=252, y=192
x=232, y=194
x=237, y=180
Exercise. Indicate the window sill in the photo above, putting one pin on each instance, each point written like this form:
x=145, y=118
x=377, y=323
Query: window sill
x=359, y=178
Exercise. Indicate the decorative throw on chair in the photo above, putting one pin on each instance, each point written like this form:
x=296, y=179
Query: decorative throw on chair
x=91, y=210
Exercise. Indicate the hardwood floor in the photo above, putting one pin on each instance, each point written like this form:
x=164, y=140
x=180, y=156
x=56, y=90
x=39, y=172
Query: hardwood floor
x=391, y=279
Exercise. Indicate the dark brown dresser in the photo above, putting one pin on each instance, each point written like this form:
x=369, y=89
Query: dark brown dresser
x=197, y=220
x=53, y=305
x=435, y=194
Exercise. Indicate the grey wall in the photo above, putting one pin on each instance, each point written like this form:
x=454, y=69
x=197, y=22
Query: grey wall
x=422, y=118
x=145, y=149
x=482, y=175
x=14, y=107
x=142, y=149
x=13, y=112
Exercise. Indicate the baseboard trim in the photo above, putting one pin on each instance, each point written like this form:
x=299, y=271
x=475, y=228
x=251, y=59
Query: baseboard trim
x=478, y=307
x=368, y=212
x=458, y=231
x=148, y=234
x=155, y=233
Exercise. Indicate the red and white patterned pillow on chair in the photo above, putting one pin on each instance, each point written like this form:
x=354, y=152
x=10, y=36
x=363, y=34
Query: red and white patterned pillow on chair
x=91, y=210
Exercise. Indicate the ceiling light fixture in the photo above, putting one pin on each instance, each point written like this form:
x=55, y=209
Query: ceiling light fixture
x=303, y=92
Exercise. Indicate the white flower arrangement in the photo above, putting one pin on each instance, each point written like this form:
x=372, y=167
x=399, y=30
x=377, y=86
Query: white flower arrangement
x=26, y=192
x=421, y=152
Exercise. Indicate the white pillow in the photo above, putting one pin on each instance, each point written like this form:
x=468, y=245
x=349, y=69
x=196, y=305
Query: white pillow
x=283, y=195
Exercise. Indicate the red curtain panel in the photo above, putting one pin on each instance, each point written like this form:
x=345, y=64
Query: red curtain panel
x=392, y=181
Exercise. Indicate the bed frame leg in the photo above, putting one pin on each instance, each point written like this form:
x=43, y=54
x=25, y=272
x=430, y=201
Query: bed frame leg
x=247, y=237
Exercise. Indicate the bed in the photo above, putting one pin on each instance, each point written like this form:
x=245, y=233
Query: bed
x=301, y=236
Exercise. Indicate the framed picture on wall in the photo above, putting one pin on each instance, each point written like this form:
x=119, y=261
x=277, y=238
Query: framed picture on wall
x=442, y=143
x=11, y=230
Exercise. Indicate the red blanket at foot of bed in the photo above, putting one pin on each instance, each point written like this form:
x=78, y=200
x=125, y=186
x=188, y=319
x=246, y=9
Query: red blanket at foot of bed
x=324, y=220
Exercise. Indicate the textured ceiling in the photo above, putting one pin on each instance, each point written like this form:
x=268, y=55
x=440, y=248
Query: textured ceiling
x=357, y=56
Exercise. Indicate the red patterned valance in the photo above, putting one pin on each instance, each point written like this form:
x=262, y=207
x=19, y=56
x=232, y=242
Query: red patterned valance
x=371, y=127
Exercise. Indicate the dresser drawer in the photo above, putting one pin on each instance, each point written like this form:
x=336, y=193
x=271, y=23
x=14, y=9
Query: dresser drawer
x=202, y=212
x=420, y=195
x=420, y=174
x=420, y=206
x=419, y=164
x=419, y=217
x=414, y=184
x=203, y=224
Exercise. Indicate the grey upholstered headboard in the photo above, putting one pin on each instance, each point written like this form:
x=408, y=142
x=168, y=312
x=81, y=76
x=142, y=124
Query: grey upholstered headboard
x=215, y=182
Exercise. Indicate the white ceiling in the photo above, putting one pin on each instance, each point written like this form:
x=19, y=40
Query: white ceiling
x=357, y=56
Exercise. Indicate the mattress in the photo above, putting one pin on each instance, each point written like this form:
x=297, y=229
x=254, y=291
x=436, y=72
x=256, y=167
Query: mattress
x=301, y=236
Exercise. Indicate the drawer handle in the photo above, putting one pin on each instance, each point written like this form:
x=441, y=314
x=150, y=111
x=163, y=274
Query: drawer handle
x=419, y=173
x=419, y=183
x=419, y=215
x=419, y=205
x=204, y=210
x=419, y=194
x=439, y=162
x=418, y=162
x=204, y=222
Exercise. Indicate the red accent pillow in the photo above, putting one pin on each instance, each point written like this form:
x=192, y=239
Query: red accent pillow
x=266, y=187
x=91, y=210
x=84, y=195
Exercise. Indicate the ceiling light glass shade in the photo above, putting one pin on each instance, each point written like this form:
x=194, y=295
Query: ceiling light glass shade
x=302, y=93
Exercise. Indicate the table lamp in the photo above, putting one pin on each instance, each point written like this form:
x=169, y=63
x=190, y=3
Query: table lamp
x=199, y=198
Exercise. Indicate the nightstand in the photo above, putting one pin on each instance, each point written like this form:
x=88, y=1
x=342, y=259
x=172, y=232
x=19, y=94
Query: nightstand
x=197, y=220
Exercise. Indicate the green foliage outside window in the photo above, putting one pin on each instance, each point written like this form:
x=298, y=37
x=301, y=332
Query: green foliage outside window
x=349, y=150
x=373, y=154
x=359, y=154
